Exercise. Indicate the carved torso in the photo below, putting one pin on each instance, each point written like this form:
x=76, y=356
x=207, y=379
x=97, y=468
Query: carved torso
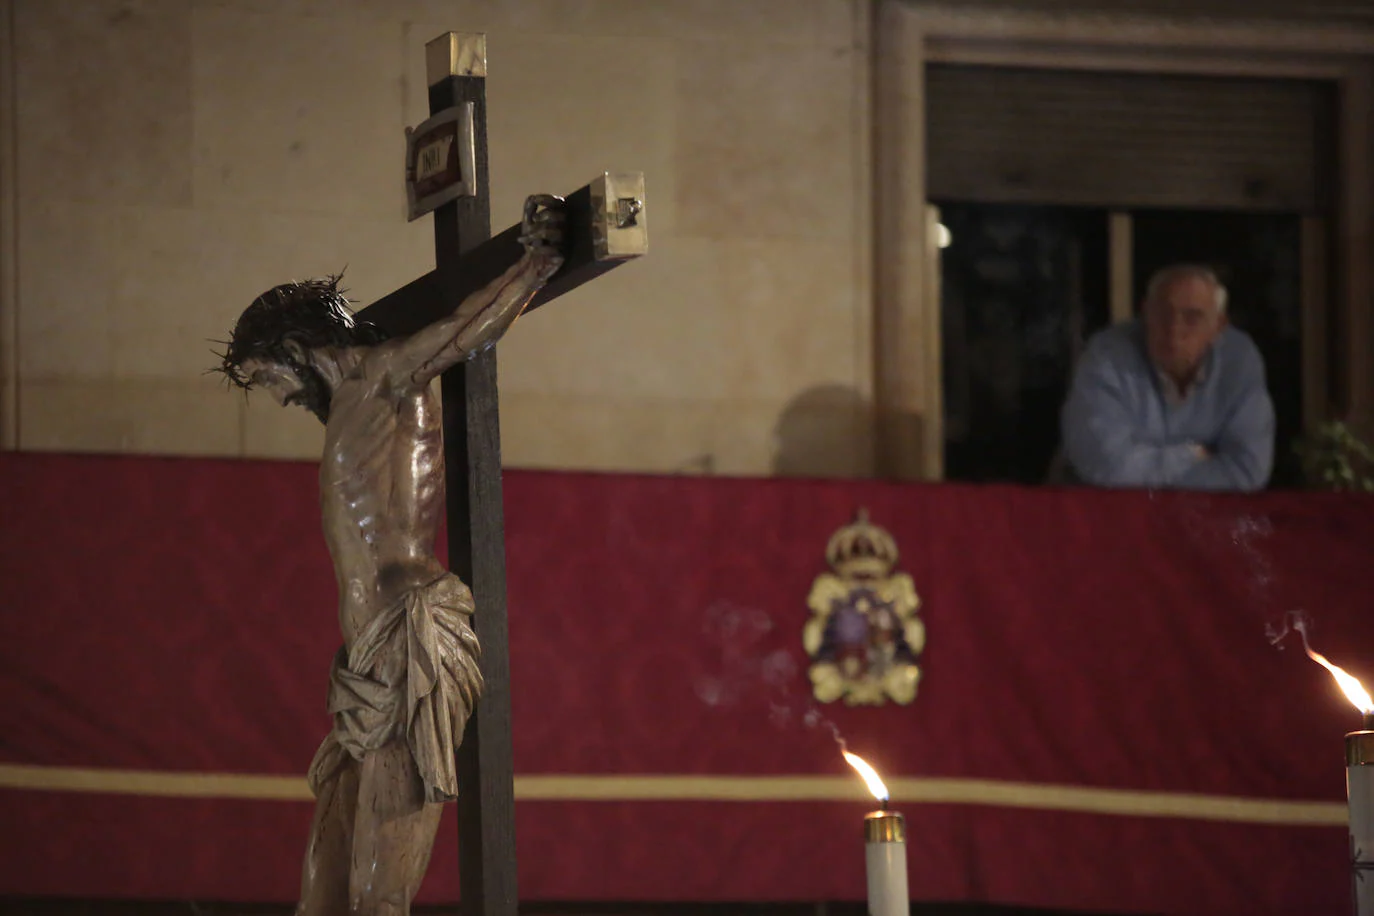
x=381, y=493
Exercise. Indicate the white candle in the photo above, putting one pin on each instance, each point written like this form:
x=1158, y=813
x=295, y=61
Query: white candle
x=885, y=855
x=1359, y=793
x=1359, y=778
x=884, y=848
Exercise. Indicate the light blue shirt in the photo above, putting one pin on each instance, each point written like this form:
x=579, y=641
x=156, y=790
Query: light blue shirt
x=1122, y=427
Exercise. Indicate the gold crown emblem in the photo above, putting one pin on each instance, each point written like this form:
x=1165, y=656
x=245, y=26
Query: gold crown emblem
x=864, y=637
x=861, y=550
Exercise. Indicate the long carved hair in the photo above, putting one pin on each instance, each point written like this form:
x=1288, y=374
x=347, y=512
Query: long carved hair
x=311, y=313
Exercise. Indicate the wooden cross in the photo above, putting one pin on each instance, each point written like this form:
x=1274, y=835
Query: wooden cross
x=447, y=173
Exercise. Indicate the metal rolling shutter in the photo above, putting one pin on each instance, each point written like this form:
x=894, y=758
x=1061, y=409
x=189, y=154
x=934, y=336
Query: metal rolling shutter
x=1126, y=139
x=1299, y=12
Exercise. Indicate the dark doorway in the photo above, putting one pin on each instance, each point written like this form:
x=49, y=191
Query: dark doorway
x=1022, y=287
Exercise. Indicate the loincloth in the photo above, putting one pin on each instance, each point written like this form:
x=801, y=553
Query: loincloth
x=427, y=706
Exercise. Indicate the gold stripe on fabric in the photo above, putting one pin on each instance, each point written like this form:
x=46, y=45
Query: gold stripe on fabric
x=155, y=783
x=589, y=788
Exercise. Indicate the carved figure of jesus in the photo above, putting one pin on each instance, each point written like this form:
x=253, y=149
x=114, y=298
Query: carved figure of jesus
x=406, y=678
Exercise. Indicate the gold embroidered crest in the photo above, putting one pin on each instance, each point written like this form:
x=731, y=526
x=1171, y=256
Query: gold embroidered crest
x=864, y=638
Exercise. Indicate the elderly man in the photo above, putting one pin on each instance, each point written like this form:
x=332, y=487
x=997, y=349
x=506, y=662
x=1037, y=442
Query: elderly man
x=1175, y=398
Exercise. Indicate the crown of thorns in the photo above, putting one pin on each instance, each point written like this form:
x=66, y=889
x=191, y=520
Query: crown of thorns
x=312, y=313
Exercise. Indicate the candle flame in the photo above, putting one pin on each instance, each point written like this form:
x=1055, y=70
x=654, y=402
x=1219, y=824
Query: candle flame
x=870, y=775
x=1350, y=685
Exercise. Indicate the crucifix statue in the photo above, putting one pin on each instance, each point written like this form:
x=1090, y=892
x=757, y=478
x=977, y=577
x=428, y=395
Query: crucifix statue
x=419, y=646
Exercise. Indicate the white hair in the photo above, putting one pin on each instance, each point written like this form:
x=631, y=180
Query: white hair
x=1167, y=275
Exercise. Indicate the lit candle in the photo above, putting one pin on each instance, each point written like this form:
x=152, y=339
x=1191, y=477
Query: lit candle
x=884, y=849
x=1359, y=787
x=1359, y=796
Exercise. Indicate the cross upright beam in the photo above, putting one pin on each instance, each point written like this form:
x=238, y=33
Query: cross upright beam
x=604, y=227
x=456, y=71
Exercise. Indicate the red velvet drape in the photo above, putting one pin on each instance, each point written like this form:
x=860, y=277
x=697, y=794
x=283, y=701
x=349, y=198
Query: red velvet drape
x=176, y=616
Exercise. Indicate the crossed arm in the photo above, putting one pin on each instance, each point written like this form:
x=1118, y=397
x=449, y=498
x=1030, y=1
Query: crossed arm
x=413, y=362
x=1102, y=445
